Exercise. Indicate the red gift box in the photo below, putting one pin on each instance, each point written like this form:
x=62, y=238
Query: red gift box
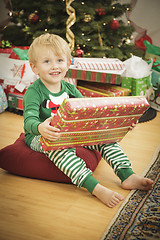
x=88, y=121
x=92, y=89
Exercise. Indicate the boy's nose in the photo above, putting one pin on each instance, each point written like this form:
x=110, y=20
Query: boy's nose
x=54, y=65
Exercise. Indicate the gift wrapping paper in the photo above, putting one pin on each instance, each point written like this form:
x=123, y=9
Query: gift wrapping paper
x=99, y=63
x=137, y=86
x=93, y=89
x=15, y=75
x=94, y=75
x=88, y=121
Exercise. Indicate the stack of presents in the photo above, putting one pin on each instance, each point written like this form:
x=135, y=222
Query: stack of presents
x=116, y=94
x=94, y=77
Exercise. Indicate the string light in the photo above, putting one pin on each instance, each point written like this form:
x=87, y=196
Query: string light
x=45, y=29
x=10, y=13
x=128, y=41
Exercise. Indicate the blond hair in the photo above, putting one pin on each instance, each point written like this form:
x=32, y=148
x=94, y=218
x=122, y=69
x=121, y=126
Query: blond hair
x=57, y=44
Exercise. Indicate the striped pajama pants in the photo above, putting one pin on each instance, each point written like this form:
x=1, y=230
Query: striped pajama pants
x=75, y=168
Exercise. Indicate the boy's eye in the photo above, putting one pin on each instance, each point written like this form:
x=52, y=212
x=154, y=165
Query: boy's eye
x=46, y=61
x=60, y=60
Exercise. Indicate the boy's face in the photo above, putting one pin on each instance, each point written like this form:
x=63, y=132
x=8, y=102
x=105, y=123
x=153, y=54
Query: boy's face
x=50, y=67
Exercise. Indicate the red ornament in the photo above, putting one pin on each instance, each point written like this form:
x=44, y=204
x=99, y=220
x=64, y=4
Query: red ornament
x=33, y=18
x=101, y=11
x=139, y=43
x=79, y=52
x=114, y=24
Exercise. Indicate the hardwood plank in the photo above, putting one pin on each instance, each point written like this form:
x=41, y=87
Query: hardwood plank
x=43, y=210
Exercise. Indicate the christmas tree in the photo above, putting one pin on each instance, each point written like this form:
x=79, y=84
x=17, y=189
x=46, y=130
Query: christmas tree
x=95, y=28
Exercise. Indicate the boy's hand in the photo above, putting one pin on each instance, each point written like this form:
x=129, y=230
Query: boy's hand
x=48, y=131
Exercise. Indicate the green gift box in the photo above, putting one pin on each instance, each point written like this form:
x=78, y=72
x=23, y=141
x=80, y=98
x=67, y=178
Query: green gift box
x=137, y=86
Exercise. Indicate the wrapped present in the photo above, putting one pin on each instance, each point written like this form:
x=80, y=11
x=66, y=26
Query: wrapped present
x=3, y=100
x=136, y=77
x=15, y=101
x=6, y=50
x=154, y=99
x=137, y=87
x=93, y=89
x=104, y=76
x=15, y=75
x=152, y=51
x=88, y=121
x=99, y=63
x=12, y=51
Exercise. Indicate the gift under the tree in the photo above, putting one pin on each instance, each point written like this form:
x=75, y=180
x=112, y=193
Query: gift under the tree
x=99, y=63
x=3, y=100
x=15, y=75
x=152, y=51
x=104, y=76
x=154, y=99
x=137, y=76
x=94, y=89
x=137, y=87
x=16, y=52
x=88, y=121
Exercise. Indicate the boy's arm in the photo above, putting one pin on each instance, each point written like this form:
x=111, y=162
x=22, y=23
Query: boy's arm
x=31, y=107
x=32, y=122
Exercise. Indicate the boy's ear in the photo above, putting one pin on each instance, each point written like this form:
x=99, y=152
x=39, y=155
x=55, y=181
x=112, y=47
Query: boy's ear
x=34, y=69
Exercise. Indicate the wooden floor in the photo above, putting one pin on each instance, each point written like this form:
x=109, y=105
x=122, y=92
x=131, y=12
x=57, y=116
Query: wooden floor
x=42, y=210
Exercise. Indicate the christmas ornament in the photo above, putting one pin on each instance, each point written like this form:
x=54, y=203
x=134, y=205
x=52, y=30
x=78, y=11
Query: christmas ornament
x=139, y=43
x=33, y=18
x=101, y=11
x=15, y=14
x=87, y=18
x=114, y=24
x=79, y=52
x=70, y=21
x=21, y=12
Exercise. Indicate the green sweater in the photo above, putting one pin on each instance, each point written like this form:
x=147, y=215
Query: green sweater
x=39, y=104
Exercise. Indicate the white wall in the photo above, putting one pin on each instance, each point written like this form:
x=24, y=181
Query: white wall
x=146, y=14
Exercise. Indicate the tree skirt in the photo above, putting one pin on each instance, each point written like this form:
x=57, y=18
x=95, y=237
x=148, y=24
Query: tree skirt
x=139, y=216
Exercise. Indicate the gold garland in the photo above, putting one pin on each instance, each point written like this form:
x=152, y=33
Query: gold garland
x=70, y=21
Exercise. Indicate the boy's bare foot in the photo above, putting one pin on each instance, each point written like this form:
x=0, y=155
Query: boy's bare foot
x=108, y=197
x=134, y=182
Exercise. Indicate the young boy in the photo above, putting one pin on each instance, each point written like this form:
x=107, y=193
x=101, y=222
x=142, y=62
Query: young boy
x=49, y=57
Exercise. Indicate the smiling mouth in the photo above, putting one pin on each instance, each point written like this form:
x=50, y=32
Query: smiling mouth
x=54, y=73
